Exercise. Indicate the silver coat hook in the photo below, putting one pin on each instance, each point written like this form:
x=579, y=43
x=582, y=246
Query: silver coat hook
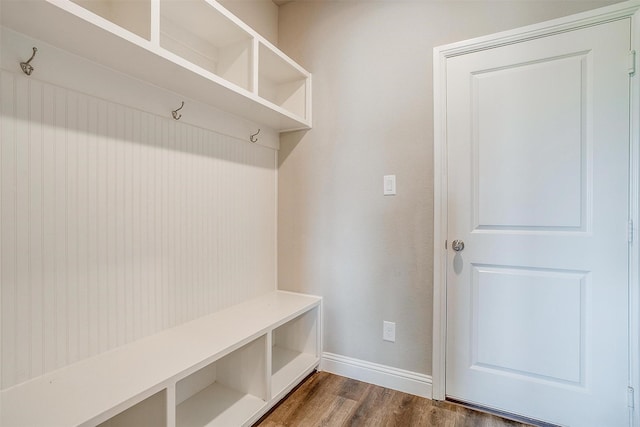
x=26, y=66
x=253, y=138
x=175, y=114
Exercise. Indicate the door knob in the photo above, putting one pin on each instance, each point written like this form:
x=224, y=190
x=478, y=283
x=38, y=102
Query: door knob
x=457, y=245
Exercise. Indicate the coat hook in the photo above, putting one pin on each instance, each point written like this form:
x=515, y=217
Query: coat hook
x=26, y=66
x=175, y=114
x=253, y=138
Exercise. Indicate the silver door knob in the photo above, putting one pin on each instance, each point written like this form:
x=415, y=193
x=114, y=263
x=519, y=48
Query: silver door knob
x=457, y=245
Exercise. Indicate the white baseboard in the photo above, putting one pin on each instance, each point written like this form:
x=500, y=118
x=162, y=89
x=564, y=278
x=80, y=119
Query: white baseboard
x=373, y=373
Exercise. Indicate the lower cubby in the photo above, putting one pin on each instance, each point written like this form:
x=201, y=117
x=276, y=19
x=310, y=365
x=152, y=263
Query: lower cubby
x=151, y=412
x=294, y=351
x=227, y=392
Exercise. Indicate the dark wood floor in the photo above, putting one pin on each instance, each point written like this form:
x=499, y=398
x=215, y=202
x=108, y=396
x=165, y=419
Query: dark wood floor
x=329, y=400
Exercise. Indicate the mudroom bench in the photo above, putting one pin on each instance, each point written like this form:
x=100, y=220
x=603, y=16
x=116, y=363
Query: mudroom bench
x=225, y=369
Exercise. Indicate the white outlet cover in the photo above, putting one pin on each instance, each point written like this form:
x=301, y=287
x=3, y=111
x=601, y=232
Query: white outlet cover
x=389, y=331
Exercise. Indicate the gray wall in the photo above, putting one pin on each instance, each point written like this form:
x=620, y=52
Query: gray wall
x=369, y=255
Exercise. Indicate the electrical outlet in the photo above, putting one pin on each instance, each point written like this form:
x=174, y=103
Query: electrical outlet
x=389, y=331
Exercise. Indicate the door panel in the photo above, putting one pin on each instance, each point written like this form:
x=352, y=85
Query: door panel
x=538, y=155
x=541, y=185
x=512, y=306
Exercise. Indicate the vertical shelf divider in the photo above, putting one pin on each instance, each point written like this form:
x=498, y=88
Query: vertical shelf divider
x=171, y=405
x=155, y=23
x=269, y=367
x=255, y=75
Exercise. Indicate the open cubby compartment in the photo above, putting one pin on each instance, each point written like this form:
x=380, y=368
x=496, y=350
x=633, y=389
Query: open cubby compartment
x=295, y=351
x=151, y=412
x=227, y=392
x=132, y=15
x=281, y=82
x=199, y=32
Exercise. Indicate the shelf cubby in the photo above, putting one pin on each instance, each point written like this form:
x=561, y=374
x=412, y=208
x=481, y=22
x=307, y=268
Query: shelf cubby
x=133, y=16
x=281, y=82
x=226, y=392
x=294, y=350
x=151, y=412
x=201, y=34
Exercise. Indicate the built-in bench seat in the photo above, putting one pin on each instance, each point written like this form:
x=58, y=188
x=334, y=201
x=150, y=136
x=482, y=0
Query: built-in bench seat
x=228, y=368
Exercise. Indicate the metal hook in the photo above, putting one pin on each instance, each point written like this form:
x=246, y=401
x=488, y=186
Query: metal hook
x=175, y=114
x=26, y=66
x=253, y=138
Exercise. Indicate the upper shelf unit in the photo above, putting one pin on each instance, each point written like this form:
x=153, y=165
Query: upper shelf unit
x=196, y=48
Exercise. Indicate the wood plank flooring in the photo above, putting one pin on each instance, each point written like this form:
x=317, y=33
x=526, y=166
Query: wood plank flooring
x=329, y=400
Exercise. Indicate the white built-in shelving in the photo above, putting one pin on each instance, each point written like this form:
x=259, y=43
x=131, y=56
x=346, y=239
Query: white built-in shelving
x=225, y=369
x=196, y=48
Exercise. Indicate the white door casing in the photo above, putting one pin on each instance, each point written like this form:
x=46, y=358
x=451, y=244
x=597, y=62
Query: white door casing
x=533, y=224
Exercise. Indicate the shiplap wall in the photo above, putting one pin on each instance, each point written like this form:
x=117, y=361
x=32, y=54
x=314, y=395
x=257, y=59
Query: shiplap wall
x=116, y=224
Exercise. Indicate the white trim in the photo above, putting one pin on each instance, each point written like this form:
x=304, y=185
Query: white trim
x=439, y=225
x=373, y=373
x=627, y=9
x=634, y=215
x=543, y=29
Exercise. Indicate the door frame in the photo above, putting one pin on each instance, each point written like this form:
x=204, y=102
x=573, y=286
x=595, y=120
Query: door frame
x=629, y=9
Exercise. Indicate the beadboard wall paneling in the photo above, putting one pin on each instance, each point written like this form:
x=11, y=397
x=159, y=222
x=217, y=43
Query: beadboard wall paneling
x=116, y=224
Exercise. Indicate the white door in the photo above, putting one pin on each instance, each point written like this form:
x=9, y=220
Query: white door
x=538, y=164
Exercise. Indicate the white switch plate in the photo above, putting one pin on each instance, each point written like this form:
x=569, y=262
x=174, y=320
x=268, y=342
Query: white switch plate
x=389, y=331
x=389, y=185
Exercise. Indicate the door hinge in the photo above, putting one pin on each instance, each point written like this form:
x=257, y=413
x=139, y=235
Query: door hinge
x=630, y=397
x=632, y=63
x=630, y=231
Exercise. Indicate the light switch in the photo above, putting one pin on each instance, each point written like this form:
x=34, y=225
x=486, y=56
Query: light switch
x=389, y=185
